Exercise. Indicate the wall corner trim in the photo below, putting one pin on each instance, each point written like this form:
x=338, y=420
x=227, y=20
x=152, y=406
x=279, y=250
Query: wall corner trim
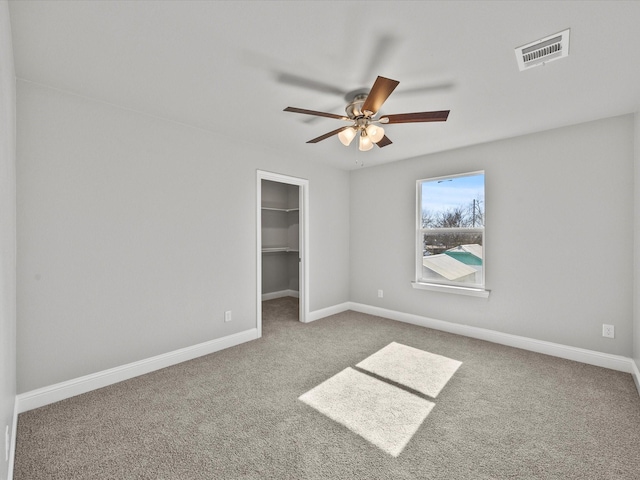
x=590, y=357
x=636, y=375
x=70, y=388
x=12, y=446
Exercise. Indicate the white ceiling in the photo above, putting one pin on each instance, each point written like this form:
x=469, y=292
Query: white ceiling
x=223, y=66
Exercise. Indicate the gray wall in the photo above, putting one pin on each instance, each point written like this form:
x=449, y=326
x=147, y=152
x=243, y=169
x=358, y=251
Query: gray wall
x=135, y=234
x=7, y=233
x=636, y=310
x=559, y=235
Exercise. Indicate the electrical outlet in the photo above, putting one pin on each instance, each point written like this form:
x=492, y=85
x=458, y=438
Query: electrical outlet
x=227, y=316
x=380, y=294
x=608, y=331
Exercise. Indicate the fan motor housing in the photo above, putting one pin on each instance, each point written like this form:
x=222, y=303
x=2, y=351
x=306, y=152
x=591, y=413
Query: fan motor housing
x=354, y=109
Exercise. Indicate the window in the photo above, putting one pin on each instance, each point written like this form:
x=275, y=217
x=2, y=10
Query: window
x=450, y=233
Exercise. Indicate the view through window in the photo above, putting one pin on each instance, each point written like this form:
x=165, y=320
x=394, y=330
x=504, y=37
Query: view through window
x=450, y=243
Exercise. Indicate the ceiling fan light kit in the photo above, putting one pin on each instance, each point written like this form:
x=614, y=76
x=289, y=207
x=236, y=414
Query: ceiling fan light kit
x=361, y=112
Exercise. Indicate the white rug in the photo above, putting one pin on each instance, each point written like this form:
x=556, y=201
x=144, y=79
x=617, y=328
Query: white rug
x=382, y=414
x=421, y=371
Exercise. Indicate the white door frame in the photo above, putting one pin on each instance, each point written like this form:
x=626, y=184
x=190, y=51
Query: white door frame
x=303, y=225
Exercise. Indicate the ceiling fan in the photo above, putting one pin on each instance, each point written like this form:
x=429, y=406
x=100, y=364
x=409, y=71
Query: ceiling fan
x=361, y=114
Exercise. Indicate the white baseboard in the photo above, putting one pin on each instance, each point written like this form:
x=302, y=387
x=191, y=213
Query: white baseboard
x=60, y=391
x=54, y=393
x=326, y=312
x=590, y=357
x=280, y=294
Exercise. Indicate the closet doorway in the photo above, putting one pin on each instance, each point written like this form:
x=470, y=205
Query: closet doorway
x=282, y=240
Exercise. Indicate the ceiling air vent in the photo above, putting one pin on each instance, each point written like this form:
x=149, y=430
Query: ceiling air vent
x=545, y=50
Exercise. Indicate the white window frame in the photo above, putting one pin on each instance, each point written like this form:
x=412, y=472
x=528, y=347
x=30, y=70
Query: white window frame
x=462, y=288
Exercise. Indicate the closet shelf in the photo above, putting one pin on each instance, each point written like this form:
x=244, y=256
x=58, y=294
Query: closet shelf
x=286, y=210
x=280, y=250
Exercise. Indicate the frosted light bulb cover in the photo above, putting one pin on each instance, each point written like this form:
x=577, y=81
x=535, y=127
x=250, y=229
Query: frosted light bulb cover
x=347, y=135
x=365, y=143
x=375, y=133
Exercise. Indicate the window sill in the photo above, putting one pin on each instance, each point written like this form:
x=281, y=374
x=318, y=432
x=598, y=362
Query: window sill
x=472, y=292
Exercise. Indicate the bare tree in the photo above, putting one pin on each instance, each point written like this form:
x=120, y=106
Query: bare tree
x=452, y=218
x=463, y=216
x=428, y=219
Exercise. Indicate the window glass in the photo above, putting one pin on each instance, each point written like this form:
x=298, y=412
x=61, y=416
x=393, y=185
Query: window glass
x=450, y=243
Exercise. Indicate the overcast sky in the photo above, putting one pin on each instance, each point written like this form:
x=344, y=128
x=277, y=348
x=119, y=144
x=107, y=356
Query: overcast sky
x=444, y=194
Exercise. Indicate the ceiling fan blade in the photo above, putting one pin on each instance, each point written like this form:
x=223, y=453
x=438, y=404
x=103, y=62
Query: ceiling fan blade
x=313, y=118
x=308, y=83
x=439, y=116
x=317, y=114
x=379, y=93
x=327, y=135
x=384, y=141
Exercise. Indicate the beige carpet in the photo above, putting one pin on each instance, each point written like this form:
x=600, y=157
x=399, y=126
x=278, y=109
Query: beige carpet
x=505, y=413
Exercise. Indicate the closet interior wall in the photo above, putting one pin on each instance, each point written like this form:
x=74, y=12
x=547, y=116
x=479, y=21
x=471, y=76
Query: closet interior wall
x=280, y=239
